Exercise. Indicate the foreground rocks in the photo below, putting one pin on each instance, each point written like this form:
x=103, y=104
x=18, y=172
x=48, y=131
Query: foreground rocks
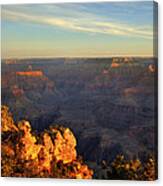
x=49, y=154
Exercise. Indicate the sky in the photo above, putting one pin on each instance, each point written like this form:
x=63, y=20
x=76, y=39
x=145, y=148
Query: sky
x=77, y=30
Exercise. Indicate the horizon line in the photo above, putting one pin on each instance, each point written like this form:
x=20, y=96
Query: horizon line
x=71, y=57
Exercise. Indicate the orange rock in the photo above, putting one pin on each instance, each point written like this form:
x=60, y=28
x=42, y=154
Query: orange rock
x=27, y=148
x=7, y=122
x=36, y=73
x=115, y=65
x=39, y=156
x=64, y=146
x=7, y=149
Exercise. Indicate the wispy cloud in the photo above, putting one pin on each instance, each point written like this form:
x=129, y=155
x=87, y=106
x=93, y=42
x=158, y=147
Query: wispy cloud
x=79, y=21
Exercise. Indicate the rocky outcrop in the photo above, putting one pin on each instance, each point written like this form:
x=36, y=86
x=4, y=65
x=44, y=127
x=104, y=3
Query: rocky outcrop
x=49, y=154
x=7, y=123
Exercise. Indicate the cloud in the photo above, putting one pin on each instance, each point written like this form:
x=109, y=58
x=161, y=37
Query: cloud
x=125, y=30
x=87, y=23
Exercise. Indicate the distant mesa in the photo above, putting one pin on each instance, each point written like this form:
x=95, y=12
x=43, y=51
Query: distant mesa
x=30, y=72
x=128, y=59
x=35, y=73
x=115, y=62
x=115, y=65
x=9, y=61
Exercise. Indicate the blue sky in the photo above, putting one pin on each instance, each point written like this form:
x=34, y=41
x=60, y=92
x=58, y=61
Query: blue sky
x=77, y=30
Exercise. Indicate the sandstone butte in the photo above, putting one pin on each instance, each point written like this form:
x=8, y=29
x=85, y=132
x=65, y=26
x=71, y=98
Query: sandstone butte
x=36, y=73
x=115, y=65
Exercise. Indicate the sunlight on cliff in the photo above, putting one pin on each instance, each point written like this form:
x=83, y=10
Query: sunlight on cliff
x=50, y=154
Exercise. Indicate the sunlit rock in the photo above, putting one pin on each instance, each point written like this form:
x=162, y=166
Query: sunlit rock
x=64, y=146
x=7, y=123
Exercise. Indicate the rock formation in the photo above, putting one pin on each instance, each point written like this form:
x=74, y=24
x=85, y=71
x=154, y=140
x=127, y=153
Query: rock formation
x=36, y=73
x=50, y=154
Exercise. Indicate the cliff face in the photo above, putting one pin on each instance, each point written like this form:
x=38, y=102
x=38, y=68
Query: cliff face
x=49, y=154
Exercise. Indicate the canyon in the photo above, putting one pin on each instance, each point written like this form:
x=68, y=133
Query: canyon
x=109, y=103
